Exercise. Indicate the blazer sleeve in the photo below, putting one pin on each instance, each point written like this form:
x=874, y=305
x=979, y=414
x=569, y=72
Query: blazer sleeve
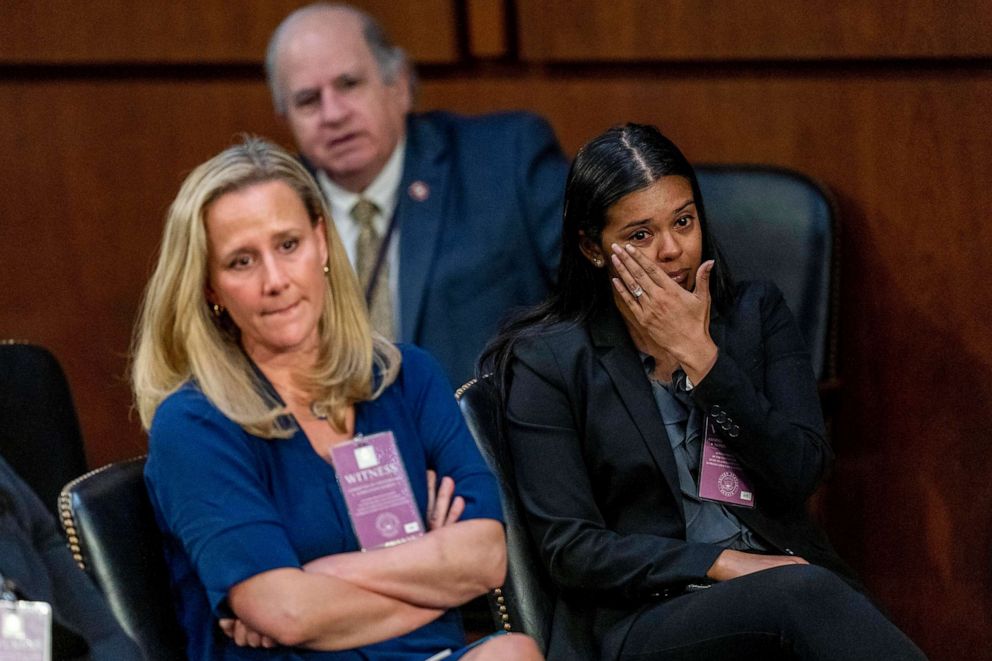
x=541, y=172
x=777, y=432
x=557, y=490
x=210, y=492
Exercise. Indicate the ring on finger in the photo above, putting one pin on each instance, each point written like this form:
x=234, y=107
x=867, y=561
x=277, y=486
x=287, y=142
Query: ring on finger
x=637, y=292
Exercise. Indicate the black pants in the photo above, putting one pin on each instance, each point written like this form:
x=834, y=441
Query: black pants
x=791, y=612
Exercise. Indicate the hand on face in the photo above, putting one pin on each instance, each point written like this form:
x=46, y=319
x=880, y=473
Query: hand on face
x=674, y=319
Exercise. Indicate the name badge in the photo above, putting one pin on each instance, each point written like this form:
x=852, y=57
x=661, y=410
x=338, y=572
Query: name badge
x=377, y=491
x=25, y=631
x=721, y=476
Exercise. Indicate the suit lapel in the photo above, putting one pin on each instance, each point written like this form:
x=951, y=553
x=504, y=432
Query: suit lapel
x=421, y=210
x=622, y=362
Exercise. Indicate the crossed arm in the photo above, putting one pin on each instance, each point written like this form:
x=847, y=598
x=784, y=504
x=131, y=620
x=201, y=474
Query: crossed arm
x=352, y=599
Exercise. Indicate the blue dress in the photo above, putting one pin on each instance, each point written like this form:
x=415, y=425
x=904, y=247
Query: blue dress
x=232, y=505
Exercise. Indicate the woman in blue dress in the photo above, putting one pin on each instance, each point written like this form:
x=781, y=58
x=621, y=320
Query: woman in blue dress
x=253, y=357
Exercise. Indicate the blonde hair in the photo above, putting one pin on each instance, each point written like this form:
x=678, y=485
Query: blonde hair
x=177, y=339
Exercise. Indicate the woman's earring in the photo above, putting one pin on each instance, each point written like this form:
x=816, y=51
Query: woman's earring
x=327, y=269
x=598, y=262
x=217, y=310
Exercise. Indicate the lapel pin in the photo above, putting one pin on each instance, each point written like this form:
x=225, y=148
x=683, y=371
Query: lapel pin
x=419, y=191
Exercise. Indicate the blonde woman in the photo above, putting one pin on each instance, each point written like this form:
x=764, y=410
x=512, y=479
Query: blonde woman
x=253, y=358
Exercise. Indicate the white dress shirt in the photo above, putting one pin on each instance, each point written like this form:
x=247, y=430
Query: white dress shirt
x=384, y=193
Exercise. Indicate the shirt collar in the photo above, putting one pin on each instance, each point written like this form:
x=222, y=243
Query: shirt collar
x=383, y=191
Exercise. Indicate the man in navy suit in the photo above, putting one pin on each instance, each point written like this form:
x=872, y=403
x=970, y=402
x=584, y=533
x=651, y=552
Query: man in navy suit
x=450, y=221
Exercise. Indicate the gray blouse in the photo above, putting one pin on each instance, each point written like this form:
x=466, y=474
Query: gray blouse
x=707, y=521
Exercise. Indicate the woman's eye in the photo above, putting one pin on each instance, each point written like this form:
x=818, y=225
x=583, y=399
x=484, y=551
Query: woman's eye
x=289, y=244
x=240, y=262
x=639, y=235
x=684, y=221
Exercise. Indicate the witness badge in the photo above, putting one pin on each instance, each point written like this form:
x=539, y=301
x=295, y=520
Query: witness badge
x=25, y=630
x=721, y=476
x=376, y=489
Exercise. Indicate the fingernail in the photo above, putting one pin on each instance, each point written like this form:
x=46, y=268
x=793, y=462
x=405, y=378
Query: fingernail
x=629, y=248
x=615, y=248
x=615, y=260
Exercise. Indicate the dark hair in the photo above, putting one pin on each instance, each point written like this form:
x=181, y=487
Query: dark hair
x=623, y=160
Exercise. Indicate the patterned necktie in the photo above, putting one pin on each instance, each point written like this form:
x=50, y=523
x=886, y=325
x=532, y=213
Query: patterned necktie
x=367, y=252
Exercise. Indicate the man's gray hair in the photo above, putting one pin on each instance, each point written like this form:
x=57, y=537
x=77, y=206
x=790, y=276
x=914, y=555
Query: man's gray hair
x=390, y=58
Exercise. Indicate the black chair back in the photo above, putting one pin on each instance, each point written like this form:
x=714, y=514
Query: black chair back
x=525, y=602
x=779, y=225
x=110, y=524
x=39, y=431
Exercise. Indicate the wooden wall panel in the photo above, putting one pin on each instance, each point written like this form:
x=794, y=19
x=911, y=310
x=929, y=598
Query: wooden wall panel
x=906, y=154
x=193, y=31
x=486, y=23
x=89, y=170
x=642, y=30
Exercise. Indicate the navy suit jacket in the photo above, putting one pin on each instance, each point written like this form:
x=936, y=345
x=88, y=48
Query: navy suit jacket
x=597, y=477
x=486, y=237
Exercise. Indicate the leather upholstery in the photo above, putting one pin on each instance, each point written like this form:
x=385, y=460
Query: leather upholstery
x=779, y=225
x=524, y=603
x=39, y=431
x=113, y=536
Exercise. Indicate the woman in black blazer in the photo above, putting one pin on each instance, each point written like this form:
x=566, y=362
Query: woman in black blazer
x=609, y=388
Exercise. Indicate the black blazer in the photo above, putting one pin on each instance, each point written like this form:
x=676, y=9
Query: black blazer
x=597, y=477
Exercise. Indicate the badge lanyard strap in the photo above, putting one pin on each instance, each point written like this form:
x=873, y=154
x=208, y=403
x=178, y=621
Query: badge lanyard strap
x=381, y=257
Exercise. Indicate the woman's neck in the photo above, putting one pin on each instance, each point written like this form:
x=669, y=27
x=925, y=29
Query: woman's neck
x=286, y=372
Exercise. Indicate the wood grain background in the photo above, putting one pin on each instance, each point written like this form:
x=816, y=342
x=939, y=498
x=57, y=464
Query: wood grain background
x=104, y=106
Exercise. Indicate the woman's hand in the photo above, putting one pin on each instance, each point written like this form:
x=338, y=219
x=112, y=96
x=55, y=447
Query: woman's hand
x=731, y=564
x=675, y=320
x=443, y=507
x=243, y=635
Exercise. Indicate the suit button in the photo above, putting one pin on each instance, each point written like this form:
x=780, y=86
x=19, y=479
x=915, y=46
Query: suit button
x=734, y=432
x=715, y=409
x=721, y=417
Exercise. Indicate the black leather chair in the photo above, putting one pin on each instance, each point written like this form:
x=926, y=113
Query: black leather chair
x=39, y=431
x=112, y=534
x=780, y=225
x=525, y=601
